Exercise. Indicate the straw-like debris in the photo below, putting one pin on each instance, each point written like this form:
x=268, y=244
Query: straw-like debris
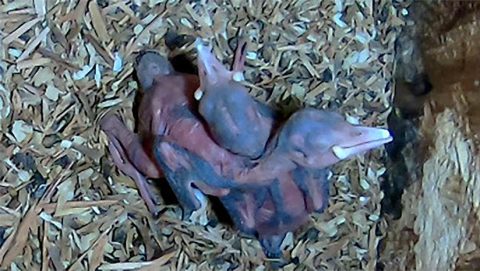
x=65, y=64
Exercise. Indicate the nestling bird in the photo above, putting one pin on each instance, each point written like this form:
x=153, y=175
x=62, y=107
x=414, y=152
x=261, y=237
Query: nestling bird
x=237, y=121
x=294, y=174
x=267, y=196
x=166, y=110
x=295, y=169
x=295, y=160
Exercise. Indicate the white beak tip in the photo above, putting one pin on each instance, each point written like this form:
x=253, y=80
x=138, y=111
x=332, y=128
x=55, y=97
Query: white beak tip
x=238, y=77
x=386, y=134
x=198, y=94
x=340, y=153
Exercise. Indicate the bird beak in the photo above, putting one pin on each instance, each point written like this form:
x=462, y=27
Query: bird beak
x=211, y=70
x=361, y=139
x=205, y=58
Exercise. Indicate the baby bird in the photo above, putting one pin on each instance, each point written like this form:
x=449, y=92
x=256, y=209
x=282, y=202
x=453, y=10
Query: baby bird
x=236, y=120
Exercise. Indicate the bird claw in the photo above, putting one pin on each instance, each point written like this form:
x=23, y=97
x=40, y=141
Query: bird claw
x=237, y=76
x=272, y=246
x=199, y=216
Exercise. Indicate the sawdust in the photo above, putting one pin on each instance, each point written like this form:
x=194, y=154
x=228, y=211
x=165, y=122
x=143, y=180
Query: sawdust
x=65, y=64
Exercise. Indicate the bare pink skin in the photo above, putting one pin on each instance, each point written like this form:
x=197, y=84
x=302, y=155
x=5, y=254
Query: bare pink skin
x=131, y=157
x=237, y=121
x=269, y=224
x=295, y=205
x=241, y=124
x=156, y=118
x=308, y=139
x=305, y=140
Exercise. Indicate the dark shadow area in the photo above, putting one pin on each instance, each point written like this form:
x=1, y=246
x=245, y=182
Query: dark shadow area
x=403, y=124
x=166, y=191
x=412, y=87
x=220, y=212
x=182, y=64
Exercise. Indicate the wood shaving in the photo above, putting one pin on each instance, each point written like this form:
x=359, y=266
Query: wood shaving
x=65, y=64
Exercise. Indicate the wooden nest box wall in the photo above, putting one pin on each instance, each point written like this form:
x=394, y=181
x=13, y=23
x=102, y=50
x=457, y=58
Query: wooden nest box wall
x=438, y=226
